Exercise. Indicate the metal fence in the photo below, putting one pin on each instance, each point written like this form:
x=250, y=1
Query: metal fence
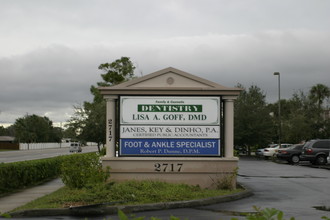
x=38, y=146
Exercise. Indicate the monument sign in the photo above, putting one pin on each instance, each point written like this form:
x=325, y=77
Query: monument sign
x=170, y=126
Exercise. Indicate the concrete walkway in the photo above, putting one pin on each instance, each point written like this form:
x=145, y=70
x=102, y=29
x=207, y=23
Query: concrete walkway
x=18, y=199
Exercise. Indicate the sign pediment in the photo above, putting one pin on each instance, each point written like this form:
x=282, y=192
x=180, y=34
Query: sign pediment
x=167, y=81
x=170, y=77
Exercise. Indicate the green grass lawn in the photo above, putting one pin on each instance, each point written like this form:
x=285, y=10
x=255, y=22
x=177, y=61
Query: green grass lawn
x=128, y=193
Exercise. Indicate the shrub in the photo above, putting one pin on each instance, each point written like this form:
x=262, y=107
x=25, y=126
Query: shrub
x=225, y=181
x=78, y=170
x=81, y=170
x=103, y=151
x=22, y=174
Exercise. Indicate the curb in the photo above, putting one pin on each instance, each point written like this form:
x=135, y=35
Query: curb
x=104, y=210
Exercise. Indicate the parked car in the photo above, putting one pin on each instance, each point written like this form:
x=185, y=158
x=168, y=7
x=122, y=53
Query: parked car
x=271, y=151
x=241, y=150
x=75, y=147
x=290, y=154
x=316, y=151
x=260, y=152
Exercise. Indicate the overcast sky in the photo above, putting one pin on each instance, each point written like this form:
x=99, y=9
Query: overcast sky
x=50, y=50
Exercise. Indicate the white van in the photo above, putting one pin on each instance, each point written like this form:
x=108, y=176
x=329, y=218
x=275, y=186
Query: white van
x=75, y=147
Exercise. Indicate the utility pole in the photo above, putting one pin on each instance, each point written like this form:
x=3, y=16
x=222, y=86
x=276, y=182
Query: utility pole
x=279, y=109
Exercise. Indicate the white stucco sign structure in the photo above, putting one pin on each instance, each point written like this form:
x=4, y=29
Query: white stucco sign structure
x=171, y=126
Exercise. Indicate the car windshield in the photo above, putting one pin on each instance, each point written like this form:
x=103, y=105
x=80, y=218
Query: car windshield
x=291, y=147
x=307, y=144
x=296, y=147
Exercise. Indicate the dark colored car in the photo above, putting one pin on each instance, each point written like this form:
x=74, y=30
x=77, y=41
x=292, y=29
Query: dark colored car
x=316, y=151
x=291, y=154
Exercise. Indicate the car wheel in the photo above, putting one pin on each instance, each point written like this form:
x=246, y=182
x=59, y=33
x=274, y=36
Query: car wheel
x=295, y=159
x=321, y=160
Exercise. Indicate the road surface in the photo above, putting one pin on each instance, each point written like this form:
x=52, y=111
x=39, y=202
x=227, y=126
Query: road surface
x=22, y=155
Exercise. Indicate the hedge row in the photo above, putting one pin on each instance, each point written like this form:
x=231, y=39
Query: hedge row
x=18, y=175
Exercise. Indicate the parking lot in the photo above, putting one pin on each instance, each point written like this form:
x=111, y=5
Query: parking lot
x=275, y=160
x=313, y=153
x=302, y=163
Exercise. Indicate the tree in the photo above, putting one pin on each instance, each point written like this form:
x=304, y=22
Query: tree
x=253, y=125
x=89, y=120
x=301, y=118
x=34, y=129
x=9, y=131
x=295, y=123
x=318, y=93
x=95, y=122
x=117, y=72
x=3, y=131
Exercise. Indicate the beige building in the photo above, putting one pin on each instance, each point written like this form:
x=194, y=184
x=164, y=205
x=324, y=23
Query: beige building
x=170, y=126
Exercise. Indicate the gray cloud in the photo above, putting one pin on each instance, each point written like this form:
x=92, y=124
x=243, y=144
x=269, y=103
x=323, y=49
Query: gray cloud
x=50, y=52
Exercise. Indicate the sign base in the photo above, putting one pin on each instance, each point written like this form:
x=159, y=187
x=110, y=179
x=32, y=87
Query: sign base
x=205, y=172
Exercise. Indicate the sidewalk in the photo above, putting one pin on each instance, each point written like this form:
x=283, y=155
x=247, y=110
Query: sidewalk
x=18, y=199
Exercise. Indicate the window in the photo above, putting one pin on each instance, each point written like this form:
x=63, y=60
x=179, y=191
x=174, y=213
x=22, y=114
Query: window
x=322, y=144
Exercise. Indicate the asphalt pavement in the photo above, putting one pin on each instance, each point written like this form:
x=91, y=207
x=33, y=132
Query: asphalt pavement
x=23, y=155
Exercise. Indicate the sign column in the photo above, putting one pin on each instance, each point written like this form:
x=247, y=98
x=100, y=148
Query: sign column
x=111, y=125
x=229, y=126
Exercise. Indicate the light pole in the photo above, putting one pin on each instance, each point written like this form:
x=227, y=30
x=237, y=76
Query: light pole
x=279, y=109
